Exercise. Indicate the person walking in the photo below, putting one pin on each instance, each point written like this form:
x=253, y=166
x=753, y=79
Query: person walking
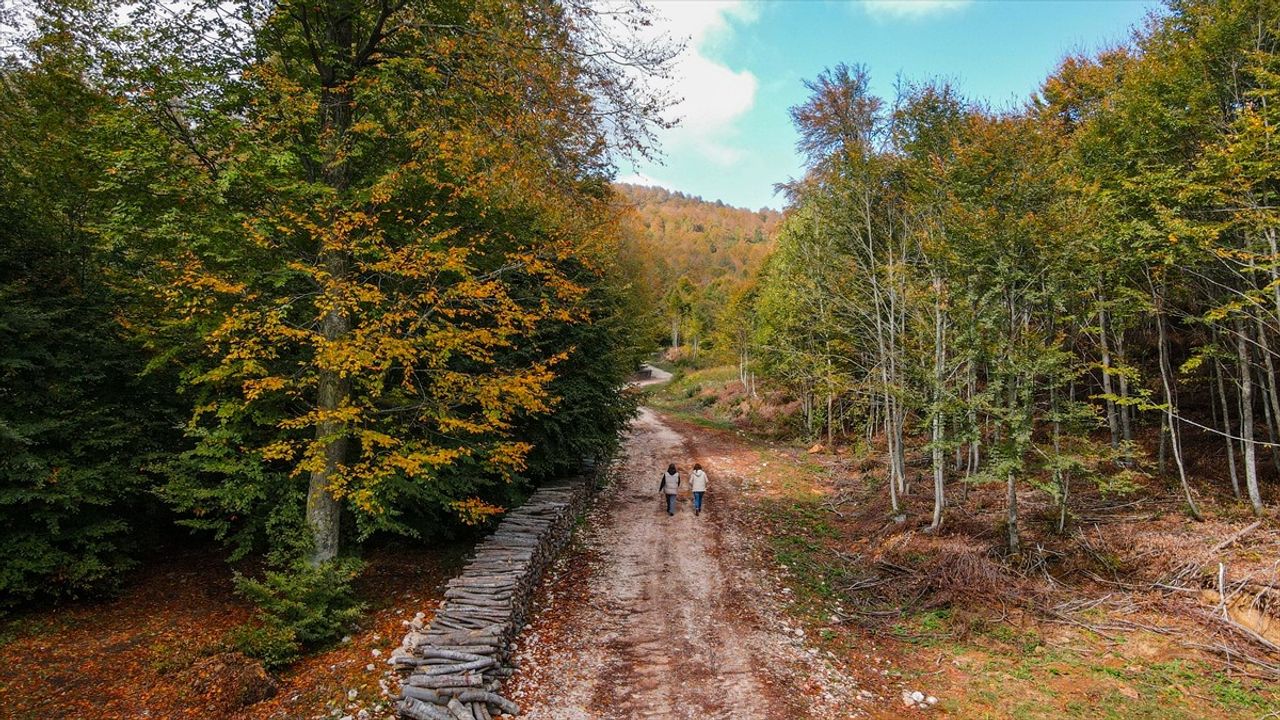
x=698, y=484
x=669, y=486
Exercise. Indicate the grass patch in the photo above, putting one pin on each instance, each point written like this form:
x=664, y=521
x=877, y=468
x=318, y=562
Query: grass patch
x=1232, y=694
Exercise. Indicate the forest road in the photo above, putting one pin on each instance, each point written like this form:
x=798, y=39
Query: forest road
x=651, y=616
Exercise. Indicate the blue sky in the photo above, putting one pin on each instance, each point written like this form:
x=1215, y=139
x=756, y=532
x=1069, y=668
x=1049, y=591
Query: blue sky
x=746, y=60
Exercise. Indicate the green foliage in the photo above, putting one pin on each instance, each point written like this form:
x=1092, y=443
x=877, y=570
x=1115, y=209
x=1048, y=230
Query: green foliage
x=1020, y=281
x=276, y=646
x=300, y=607
x=78, y=420
x=376, y=252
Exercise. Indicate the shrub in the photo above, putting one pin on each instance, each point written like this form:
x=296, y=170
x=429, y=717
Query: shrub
x=275, y=645
x=299, y=608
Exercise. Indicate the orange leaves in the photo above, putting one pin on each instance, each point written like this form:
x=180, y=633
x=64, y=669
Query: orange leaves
x=510, y=455
x=424, y=461
x=344, y=415
x=474, y=511
x=279, y=451
x=254, y=388
x=212, y=283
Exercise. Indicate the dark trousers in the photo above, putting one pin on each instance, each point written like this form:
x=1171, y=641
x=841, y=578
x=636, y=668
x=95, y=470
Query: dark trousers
x=671, y=504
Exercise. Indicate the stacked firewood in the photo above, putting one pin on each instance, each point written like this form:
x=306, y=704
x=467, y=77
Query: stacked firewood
x=453, y=667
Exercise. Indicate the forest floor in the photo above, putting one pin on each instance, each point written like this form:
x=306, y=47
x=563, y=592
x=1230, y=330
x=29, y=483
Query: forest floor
x=142, y=653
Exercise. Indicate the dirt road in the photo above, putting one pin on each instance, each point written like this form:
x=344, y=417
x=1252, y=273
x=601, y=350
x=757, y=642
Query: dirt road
x=667, y=617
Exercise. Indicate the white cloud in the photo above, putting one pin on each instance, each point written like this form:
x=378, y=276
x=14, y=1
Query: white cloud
x=712, y=95
x=910, y=9
x=638, y=178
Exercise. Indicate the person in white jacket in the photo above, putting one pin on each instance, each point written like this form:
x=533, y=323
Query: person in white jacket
x=669, y=486
x=698, y=484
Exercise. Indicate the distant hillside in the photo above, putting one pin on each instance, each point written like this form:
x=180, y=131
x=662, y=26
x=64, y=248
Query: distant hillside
x=698, y=239
x=696, y=255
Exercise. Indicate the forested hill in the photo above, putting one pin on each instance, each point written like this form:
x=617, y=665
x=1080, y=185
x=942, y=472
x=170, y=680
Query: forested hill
x=698, y=256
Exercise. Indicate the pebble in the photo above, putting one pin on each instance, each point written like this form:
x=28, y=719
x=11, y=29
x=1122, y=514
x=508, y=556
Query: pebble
x=917, y=699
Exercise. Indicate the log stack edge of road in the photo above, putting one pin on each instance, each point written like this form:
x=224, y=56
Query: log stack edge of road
x=453, y=667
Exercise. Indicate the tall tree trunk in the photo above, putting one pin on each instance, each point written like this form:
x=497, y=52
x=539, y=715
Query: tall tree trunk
x=975, y=445
x=939, y=373
x=831, y=421
x=1246, y=418
x=873, y=418
x=1059, y=476
x=1268, y=381
x=1013, y=441
x=888, y=434
x=900, y=423
x=1175, y=438
x=1271, y=433
x=1113, y=423
x=1163, y=453
x=1126, y=412
x=1227, y=428
x=1015, y=541
x=806, y=402
x=324, y=511
x=831, y=404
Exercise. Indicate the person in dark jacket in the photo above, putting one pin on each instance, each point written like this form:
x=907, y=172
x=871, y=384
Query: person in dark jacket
x=669, y=486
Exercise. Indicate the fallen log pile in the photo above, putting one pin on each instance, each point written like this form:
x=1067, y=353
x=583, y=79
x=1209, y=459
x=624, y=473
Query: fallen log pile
x=453, y=667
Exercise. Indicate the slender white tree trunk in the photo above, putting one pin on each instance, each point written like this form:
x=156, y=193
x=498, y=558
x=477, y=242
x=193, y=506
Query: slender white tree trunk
x=1059, y=476
x=1227, y=429
x=1126, y=412
x=1269, y=386
x=939, y=374
x=1246, y=419
x=1113, y=422
x=1175, y=444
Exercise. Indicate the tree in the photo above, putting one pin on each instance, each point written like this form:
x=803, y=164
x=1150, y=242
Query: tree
x=372, y=215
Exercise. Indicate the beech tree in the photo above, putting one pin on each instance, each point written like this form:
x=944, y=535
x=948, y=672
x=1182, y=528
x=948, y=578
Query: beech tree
x=390, y=199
